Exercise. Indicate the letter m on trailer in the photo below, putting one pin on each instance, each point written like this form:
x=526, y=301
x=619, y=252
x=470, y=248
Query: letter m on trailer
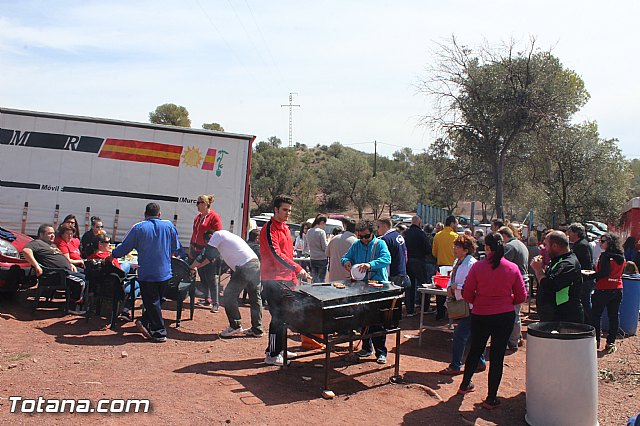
x=19, y=138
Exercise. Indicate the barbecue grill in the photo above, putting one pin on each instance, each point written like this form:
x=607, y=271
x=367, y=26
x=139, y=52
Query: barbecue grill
x=322, y=308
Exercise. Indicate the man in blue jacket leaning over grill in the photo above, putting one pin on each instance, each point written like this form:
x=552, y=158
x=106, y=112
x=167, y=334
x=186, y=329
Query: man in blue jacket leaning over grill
x=372, y=256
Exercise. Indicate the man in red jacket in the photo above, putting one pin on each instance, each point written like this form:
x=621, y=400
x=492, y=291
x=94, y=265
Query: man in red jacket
x=278, y=272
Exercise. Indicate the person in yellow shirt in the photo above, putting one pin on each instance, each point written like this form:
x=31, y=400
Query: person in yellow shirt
x=442, y=250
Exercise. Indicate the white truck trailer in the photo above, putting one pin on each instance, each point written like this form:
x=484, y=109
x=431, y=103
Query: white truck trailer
x=52, y=165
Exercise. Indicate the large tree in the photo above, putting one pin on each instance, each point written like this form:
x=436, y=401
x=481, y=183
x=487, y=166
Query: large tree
x=486, y=100
x=171, y=114
x=583, y=176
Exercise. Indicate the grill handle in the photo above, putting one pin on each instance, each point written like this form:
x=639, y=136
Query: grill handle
x=344, y=317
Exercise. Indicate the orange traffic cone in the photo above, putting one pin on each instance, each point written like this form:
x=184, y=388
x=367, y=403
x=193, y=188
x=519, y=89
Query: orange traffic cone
x=310, y=344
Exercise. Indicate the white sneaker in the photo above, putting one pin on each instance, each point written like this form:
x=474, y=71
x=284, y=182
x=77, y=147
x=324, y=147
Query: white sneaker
x=78, y=310
x=230, y=331
x=275, y=360
x=291, y=355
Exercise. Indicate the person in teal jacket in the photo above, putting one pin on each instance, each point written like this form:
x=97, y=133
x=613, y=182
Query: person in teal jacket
x=376, y=265
x=373, y=257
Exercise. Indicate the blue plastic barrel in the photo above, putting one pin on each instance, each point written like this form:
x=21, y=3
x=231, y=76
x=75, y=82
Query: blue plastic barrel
x=629, y=306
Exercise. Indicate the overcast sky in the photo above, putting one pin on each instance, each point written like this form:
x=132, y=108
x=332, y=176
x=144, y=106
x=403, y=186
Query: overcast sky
x=354, y=64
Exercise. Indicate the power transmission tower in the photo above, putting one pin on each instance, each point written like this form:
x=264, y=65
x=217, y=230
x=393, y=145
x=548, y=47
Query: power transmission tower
x=291, y=105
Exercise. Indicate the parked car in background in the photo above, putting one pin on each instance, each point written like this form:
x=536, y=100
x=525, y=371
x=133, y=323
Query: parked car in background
x=401, y=218
x=465, y=221
x=15, y=271
x=601, y=226
x=593, y=232
x=262, y=219
x=331, y=224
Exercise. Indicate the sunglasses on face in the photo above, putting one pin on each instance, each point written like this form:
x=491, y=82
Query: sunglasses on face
x=603, y=241
x=99, y=227
x=200, y=202
x=364, y=236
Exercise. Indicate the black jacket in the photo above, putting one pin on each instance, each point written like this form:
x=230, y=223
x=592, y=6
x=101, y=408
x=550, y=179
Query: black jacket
x=563, y=278
x=417, y=243
x=584, y=253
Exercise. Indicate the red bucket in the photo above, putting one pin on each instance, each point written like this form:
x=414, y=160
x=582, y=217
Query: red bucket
x=441, y=280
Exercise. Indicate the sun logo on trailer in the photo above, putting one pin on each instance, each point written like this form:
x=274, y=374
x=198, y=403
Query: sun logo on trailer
x=192, y=157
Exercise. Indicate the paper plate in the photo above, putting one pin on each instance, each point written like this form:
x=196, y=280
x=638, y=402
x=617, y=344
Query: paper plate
x=356, y=274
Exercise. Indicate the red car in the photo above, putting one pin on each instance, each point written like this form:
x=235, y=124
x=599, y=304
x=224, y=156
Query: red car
x=15, y=271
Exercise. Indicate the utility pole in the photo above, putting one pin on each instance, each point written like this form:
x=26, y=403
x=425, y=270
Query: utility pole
x=291, y=105
x=375, y=157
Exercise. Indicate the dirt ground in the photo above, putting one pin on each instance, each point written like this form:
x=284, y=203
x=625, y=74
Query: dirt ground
x=197, y=378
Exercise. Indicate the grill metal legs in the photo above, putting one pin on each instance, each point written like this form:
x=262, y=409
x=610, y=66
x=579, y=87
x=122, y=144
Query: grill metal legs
x=330, y=344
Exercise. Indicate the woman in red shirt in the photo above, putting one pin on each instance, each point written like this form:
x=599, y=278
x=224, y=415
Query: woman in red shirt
x=206, y=219
x=68, y=244
x=608, y=292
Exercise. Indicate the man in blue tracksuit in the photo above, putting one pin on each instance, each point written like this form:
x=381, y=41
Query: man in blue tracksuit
x=155, y=240
x=398, y=250
x=372, y=256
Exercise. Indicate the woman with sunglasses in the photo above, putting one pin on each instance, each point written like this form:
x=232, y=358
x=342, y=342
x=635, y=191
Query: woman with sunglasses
x=71, y=220
x=206, y=219
x=608, y=292
x=89, y=242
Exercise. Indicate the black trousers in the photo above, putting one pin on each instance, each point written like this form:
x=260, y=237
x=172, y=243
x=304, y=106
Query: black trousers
x=609, y=299
x=498, y=327
x=273, y=292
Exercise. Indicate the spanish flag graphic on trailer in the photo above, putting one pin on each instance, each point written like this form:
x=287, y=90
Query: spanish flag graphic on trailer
x=143, y=152
x=210, y=159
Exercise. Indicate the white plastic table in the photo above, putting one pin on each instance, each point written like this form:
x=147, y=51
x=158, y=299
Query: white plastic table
x=436, y=291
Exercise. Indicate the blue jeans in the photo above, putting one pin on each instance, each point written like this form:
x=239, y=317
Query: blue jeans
x=378, y=343
x=209, y=282
x=152, y=300
x=136, y=292
x=460, y=338
x=125, y=266
x=318, y=270
x=516, y=333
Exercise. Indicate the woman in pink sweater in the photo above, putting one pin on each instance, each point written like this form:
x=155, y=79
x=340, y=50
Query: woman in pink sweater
x=494, y=285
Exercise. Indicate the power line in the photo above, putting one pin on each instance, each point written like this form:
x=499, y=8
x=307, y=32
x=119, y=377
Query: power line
x=233, y=9
x=264, y=42
x=224, y=40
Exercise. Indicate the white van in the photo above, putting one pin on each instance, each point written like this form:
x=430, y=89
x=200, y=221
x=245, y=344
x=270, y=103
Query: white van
x=331, y=224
